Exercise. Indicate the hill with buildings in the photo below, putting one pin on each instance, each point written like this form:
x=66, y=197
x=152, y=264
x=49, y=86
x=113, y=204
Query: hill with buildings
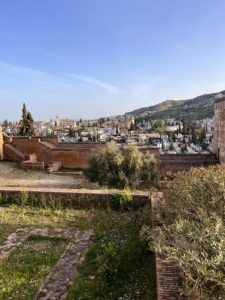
x=197, y=108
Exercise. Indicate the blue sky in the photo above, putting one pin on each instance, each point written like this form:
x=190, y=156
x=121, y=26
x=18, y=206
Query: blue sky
x=93, y=58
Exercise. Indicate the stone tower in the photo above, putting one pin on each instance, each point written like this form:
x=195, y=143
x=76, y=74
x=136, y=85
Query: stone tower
x=1, y=144
x=219, y=129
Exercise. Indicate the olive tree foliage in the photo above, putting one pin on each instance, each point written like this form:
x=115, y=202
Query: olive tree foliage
x=191, y=230
x=122, y=167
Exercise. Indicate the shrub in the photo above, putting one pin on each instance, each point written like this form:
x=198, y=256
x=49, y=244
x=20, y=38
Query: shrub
x=122, y=200
x=122, y=167
x=192, y=231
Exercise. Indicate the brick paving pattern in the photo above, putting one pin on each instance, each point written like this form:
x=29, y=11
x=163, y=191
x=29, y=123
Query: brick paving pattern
x=169, y=280
x=57, y=284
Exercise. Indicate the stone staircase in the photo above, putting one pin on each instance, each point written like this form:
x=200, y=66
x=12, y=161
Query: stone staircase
x=12, y=153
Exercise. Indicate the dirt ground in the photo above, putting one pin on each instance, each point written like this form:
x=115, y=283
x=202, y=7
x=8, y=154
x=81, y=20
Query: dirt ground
x=12, y=176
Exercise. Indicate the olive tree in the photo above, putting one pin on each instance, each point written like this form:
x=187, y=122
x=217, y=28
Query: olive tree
x=192, y=231
x=122, y=167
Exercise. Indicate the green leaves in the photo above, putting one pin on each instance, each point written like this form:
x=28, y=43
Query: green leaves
x=26, y=123
x=122, y=167
x=192, y=231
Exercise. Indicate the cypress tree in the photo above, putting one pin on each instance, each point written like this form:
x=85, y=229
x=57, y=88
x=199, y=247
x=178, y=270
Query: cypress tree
x=26, y=123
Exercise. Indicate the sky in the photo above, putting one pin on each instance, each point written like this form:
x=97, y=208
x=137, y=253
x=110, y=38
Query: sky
x=94, y=58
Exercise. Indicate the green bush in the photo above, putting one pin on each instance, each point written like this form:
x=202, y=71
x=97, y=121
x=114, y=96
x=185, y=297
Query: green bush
x=122, y=167
x=192, y=230
x=121, y=201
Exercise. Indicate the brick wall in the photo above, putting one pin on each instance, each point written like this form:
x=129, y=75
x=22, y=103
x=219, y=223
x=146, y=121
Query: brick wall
x=1, y=144
x=172, y=163
x=219, y=130
x=30, y=146
x=73, y=158
x=169, y=278
x=79, y=199
x=49, y=151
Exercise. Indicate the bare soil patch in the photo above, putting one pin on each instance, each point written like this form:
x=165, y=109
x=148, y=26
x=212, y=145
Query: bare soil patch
x=12, y=176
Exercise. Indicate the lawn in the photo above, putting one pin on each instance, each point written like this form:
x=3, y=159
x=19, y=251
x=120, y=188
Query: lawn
x=117, y=265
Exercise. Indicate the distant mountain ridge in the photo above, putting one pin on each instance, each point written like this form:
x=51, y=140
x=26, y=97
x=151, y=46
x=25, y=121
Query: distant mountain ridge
x=198, y=108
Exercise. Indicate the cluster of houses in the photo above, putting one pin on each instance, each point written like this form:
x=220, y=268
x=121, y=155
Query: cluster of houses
x=167, y=135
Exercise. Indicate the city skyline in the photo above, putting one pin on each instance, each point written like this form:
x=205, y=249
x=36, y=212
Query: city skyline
x=88, y=59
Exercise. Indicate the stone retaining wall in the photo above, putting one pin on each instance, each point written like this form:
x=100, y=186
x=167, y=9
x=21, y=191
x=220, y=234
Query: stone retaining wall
x=1, y=144
x=72, y=198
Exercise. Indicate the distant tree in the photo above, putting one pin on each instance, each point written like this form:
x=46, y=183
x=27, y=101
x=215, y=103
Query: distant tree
x=120, y=168
x=131, y=126
x=101, y=121
x=5, y=123
x=30, y=124
x=71, y=132
x=171, y=147
x=179, y=128
x=173, y=136
x=90, y=138
x=193, y=136
x=184, y=131
x=26, y=125
x=117, y=129
x=202, y=135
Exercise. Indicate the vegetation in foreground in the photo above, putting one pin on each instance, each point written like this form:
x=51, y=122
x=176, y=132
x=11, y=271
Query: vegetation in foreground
x=118, y=264
x=122, y=168
x=192, y=231
x=22, y=273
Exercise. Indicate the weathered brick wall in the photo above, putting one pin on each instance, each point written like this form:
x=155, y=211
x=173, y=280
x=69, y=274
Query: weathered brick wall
x=33, y=146
x=172, y=163
x=1, y=144
x=219, y=130
x=49, y=151
x=29, y=165
x=12, y=154
x=169, y=278
x=97, y=146
x=73, y=158
x=80, y=199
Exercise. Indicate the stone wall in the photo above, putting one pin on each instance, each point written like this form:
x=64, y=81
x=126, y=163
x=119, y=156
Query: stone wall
x=30, y=146
x=173, y=163
x=1, y=144
x=69, y=198
x=49, y=151
x=219, y=130
x=169, y=278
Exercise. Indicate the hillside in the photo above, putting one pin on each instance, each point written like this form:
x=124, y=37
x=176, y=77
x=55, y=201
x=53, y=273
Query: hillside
x=192, y=109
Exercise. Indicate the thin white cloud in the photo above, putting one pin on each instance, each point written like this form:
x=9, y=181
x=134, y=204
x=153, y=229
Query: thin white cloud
x=104, y=85
x=33, y=74
x=60, y=78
